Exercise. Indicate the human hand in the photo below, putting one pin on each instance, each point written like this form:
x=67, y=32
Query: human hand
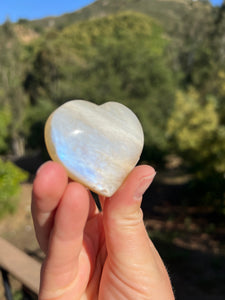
x=95, y=255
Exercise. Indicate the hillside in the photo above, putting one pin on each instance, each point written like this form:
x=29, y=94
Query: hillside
x=171, y=13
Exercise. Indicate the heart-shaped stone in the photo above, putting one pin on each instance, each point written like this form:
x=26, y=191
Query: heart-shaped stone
x=97, y=144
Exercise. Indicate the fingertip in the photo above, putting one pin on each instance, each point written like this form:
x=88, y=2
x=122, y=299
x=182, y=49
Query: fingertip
x=50, y=166
x=49, y=184
x=133, y=181
x=142, y=171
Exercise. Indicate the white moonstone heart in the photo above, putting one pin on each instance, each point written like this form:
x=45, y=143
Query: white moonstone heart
x=97, y=144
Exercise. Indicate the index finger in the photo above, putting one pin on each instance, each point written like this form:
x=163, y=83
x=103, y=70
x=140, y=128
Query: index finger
x=48, y=187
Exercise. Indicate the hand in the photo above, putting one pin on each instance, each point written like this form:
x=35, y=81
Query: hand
x=95, y=255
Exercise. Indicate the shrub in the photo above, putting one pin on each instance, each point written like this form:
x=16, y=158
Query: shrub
x=10, y=178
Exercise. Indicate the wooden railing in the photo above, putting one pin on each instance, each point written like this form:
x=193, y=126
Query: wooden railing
x=21, y=266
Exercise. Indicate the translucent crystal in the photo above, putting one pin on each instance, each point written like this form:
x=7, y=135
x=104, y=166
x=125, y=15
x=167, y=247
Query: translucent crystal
x=97, y=144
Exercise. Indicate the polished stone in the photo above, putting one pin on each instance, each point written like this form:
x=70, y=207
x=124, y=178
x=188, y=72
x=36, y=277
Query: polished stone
x=97, y=144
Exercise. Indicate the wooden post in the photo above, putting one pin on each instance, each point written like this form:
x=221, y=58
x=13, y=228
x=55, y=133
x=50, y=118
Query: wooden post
x=20, y=265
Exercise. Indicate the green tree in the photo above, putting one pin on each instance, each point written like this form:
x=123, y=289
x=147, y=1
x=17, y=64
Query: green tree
x=10, y=179
x=194, y=50
x=195, y=129
x=34, y=124
x=198, y=136
x=215, y=84
x=11, y=90
x=219, y=35
x=5, y=120
x=120, y=58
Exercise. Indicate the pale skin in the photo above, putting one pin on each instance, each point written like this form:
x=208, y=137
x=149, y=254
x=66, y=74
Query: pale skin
x=94, y=255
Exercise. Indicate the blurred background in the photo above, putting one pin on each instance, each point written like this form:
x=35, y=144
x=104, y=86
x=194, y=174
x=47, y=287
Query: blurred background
x=163, y=59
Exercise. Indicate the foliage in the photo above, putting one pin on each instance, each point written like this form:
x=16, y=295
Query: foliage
x=195, y=130
x=18, y=295
x=34, y=123
x=120, y=58
x=12, y=94
x=5, y=120
x=194, y=48
x=10, y=178
x=197, y=135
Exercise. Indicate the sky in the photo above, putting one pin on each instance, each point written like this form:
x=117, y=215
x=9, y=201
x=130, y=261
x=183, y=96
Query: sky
x=36, y=9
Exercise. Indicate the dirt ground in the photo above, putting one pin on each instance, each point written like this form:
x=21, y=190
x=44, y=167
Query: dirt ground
x=190, y=239
x=191, y=245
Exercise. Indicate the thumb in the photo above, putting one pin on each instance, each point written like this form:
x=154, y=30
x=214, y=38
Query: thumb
x=125, y=234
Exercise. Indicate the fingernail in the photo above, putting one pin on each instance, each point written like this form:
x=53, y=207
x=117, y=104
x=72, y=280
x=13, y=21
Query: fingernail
x=143, y=185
